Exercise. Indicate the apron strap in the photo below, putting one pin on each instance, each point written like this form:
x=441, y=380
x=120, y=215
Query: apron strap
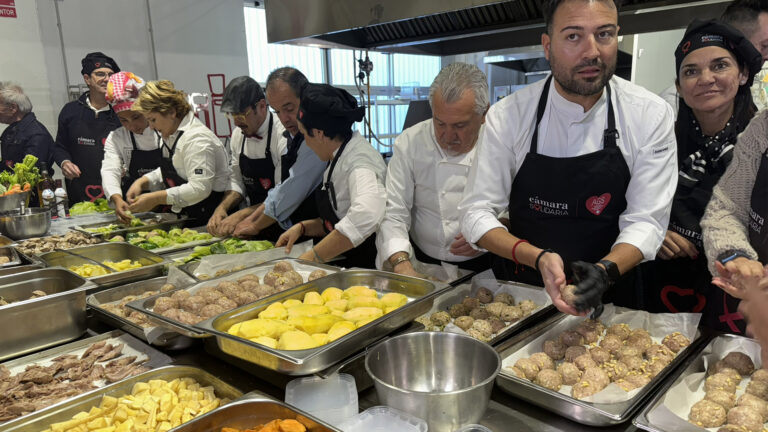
x=267, y=152
x=172, y=150
x=133, y=141
x=328, y=184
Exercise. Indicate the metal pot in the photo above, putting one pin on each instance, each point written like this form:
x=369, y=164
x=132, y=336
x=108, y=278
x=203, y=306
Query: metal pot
x=34, y=222
x=443, y=378
x=13, y=201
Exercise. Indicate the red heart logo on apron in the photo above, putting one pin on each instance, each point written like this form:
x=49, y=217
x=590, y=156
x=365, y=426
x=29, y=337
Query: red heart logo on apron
x=597, y=204
x=682, y=292
x=94, y=192
x=265, y=183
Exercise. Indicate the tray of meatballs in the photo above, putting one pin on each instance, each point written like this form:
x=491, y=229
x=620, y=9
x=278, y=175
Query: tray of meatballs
x=723, y=389
x=182, y=308
x=596, y=372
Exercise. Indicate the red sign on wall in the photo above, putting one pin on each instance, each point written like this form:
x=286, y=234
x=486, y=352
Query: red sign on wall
x=8, y=9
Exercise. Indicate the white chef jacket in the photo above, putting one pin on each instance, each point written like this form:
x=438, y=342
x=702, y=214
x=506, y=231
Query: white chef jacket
x=256, y=149
x=199, y=158
x=646, y=140
x=424, y=188
x=358, y=180
x=117, y=156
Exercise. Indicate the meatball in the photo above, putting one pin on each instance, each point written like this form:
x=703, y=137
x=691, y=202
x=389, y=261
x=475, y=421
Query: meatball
x=550, y=379
x=657, y=351
x=730, y=428
x=518, y=373
x=294, y=276
x=495, y=308
x=612, y=343
x=745, y=417
x=457, y=310
x=758, y=388
x=497, y=325
x=760, y=375
x=596, y=375
x=719, y=367
x=616, y=370
x=675, y=341
x=543, y=360
x=477, y=334
x=655, y=367
x=600, y=355
x=571, y=374
x=590, y=336
x=282, y=267
x=527, y=306
x=584, y=361
x=245, y=297
x=479, y=314
x=188, y=318
x=528, y=367
x=721, y=381
x=440, y=319
x=271, y=277
x=211, y=310
x=164, y=303
x=723, y=398
x=284, y=282
x=584, y=388
x=591, y=324
x=706, y=413
x=172, y=314
x=741, y=362
x=629, y=351
x=511, y=313
x=568, y=293
x=464, y=322
x=317, y=274
x=229, y=289
x=484, y=327
x=193, y=304
x=211, y=296
x=634, y=363
x=263, y=290
x=470, y=303
x=505, y=298
x=248, y=277
x=758, y=405
x=640, y=340
x=167, y=287
x=621, y=330
x=571, y=338
x=571, y=353
x=484, y=295
x=554, y=349
x=180, y=295
x=226, y=303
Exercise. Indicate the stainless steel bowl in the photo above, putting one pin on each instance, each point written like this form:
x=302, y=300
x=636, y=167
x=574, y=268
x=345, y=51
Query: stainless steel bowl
x=13, y=201
x=34, y=222
x=443, y=378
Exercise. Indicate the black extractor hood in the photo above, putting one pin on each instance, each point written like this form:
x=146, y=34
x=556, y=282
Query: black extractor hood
x=448, y=27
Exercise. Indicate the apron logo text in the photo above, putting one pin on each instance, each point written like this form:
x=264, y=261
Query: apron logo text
x=548, y=207
x=86, y=141
x=756, y=221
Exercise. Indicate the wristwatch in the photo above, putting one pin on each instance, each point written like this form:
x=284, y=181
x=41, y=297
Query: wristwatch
x=612, y=269
x=731, y=255
x=401, y=258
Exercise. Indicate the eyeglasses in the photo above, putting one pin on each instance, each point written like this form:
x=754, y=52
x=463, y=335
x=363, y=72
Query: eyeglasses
x=239, y=117
x=102, y=74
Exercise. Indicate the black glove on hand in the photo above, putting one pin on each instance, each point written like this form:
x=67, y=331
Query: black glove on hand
x=591, y=282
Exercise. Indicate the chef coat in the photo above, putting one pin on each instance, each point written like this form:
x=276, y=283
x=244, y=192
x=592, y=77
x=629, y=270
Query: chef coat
x=424, y=188
x=358, y=181
x=199, y=158
x=256, y=149
x=117, y=156
x=646, y=141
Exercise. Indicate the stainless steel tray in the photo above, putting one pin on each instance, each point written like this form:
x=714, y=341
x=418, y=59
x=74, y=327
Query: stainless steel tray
x=33, y=324
x=420, y=292
x=588, y=413
x=249, y=411
x=146, y=305
x=6, y=241
x=13, y=257
x=132, y=347
x=64, y=411
x=152, y=264
x=26, y=264
x=166, y=339
x=151, y=220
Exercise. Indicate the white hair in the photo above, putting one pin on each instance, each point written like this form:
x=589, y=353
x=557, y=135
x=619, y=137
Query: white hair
x=454, y=79
x=13, y=94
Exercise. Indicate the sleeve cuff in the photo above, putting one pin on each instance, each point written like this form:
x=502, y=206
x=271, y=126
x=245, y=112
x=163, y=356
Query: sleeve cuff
x=644, y=236
x=348, y=229
x=475, y=230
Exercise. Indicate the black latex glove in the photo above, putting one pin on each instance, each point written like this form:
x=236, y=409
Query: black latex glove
x=591, y=282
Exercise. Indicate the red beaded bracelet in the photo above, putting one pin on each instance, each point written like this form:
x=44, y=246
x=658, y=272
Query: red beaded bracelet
x=514, y=258
x=303, y=228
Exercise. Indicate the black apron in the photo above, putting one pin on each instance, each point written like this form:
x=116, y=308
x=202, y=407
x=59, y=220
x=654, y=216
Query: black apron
x=570, y=204
x=87, y=151
x=477, y=264
x=200, y=212
x=363, y=255
x=308, y=208
x=758, y=234
x=142, y=162
x=258, y=174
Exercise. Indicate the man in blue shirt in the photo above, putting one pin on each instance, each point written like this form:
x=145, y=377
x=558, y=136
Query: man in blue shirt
x=292, y=200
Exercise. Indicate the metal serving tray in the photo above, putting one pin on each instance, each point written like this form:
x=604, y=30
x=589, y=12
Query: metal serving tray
x=166, y=339
x=13, y=257
x=250, y=411
x=65, y=410
x=33, y=324
x=152, y=264
x=6, y=241
x=420, y=292
x=588, y=413
x=146, y=305
x=151, y=220
x=26, y=264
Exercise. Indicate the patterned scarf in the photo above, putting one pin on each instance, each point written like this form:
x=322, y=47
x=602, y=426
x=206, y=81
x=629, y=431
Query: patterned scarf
x=713, y=153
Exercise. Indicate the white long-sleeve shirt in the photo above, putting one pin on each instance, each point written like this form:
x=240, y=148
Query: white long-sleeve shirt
x=117, y=156
x=256, y=149
x=647, y=142
x=424, y=188
x=199, y=158
x=358, y=180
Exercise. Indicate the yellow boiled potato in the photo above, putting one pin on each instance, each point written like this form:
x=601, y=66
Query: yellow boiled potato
x=336, y=312
x=266, y=341
x=339, y=304
x=274, y=311
x=235, y=329
x=340, y=329
x=88, y=270
x=291, y=303
x=296, y=340
x=362, y=314
x=258, y=327
x=315, y=324
x=313, y=298
x=125, y=264
x=320, y=338
x=364, y=322
x=363, y=301
x=331, y=293
x=393, y=300
x=390, y=309
x=307, y=310
x=359, y=290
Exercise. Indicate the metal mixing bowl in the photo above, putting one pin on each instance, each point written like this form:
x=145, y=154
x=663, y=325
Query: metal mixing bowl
x=34, y=222
x=443, y=378
x=13, y=201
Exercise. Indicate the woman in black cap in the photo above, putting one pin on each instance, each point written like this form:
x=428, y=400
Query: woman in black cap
x=351, y=199
x=715, y=68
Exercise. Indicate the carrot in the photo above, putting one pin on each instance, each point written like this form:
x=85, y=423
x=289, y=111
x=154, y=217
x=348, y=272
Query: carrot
x=27, y=187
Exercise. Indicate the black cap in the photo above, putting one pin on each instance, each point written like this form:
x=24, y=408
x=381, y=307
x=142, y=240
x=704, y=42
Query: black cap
x=328, y=108
x=97, y=60
x=241, y=93
x=700, y=34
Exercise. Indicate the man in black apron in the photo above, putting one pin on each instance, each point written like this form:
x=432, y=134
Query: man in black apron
x=252, y=176
x=577, y=207
x=83, y=128
x=292, y=200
